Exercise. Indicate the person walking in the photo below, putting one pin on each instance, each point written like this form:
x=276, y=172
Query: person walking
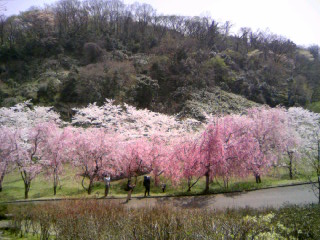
x=163, y=187
x=130, y=188
x=106, y=180
x=146, y=184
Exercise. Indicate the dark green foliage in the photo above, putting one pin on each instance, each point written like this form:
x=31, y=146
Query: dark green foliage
x=304, y=221
x=48, y=90
x=7, y=54
x=3, y=212
x=145, y=91
x=2, y=96
x=68, y=93
x=92, y=52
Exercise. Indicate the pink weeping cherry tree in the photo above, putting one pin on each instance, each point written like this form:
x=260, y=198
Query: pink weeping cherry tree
x=233, y=146
x=233, y=135
x=7, y=149
x=211, y=152
x=217, y=151
x=90, y=150
x=158, y=149
x=132, y=158
x=265, y=139
x=184, y=162
x=55, y=150
x=27, y=155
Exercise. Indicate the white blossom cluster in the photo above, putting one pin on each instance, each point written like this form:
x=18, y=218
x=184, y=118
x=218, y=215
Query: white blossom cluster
x=22, y=115
x=131, y=122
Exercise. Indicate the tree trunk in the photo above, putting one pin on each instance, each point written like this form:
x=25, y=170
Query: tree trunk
x=319, y=188
x=90, y=187
x=189, y=185
x=55, y=182
x=206, y=190
x=226, y=183
x=106, y=191
x=2, y=175
x=258, y=178
x=136, y=180
x=82, y=184
x=156, y=180
x=157, y=174
x=290, y=164
x=318, y=171
x=26, y=190
x=290, y=170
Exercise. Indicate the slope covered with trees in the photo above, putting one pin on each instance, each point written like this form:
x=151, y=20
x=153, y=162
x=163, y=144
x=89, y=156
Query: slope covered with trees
x=53, y=55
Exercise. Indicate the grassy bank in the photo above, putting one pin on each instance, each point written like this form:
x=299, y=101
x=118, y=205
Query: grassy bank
x=102, y=220
x=70, y=186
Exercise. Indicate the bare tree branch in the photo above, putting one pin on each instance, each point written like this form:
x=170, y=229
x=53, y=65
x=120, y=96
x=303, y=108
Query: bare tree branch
x=3, y=5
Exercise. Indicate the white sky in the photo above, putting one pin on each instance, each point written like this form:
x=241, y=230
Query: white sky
x=298, y=20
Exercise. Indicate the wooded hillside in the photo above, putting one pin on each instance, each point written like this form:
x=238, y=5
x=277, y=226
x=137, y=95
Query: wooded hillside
x=77, y=52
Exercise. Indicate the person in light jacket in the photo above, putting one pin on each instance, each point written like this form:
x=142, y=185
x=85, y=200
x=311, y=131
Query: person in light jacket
x=106, y=180
x=130, y=188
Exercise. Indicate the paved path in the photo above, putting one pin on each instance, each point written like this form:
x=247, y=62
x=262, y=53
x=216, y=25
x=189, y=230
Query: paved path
x=274, y=197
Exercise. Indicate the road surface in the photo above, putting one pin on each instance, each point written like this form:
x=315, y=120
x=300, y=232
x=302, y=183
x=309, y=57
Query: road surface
x=273, y=197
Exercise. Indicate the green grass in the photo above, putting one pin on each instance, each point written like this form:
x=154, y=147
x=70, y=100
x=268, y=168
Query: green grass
x=272, y=179
x=8, y=235
x=315, y=107
x=41, y=187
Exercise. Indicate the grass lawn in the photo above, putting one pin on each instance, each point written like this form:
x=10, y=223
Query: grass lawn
x=41, y=187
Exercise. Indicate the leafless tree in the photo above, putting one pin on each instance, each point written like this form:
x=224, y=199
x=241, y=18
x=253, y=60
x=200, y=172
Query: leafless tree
x=3, y=4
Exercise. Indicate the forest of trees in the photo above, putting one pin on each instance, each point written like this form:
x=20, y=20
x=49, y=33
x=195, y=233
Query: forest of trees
x=53, y=55
x=124, y=142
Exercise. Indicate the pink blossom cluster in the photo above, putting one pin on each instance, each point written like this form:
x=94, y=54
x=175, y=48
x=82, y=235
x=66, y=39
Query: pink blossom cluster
x=123, y=142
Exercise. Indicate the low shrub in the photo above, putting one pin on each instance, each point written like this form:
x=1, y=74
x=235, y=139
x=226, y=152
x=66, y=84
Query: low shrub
x=99, y=219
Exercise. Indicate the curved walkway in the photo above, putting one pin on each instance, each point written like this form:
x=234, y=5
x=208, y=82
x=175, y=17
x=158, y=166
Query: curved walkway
x=273, y=197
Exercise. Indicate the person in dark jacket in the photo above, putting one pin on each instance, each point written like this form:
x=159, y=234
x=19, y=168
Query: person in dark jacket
x=146, y=184
x=163, y=187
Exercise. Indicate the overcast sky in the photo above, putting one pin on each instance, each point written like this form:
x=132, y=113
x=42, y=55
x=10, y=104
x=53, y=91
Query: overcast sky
x=298, y=20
